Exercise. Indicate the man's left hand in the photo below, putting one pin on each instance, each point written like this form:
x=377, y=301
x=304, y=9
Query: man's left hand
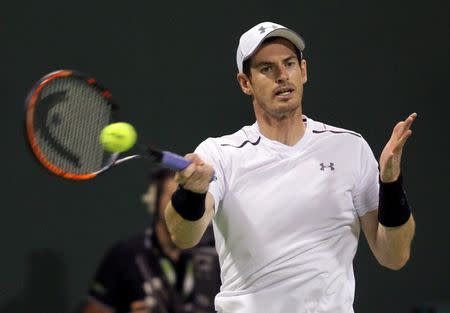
x=392, y=153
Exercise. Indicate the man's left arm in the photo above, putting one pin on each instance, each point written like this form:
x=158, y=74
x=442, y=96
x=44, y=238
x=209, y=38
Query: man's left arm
x=390, y=229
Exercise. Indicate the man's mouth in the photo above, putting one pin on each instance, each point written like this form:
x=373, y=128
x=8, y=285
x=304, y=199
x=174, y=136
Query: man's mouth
x=284, y=91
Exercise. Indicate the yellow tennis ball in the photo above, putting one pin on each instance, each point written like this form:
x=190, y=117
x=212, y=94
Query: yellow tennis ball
x=118, y=137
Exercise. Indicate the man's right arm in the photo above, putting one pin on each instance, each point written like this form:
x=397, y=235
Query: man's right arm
x=186, y=233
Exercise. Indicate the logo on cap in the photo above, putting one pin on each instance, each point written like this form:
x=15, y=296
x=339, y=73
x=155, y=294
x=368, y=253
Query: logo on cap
x=263, y=29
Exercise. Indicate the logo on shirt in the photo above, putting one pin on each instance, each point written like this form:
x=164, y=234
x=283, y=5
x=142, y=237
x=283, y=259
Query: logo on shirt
x=324, y=166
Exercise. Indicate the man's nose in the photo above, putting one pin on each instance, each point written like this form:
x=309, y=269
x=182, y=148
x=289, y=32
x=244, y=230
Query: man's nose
x=283, y=74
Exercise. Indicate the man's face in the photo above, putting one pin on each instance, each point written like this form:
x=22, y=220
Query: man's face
x=168, y=188
x=165, y=241
x=276, y=79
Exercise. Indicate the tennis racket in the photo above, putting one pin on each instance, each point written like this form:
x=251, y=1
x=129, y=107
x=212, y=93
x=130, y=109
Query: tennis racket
x=65, y=113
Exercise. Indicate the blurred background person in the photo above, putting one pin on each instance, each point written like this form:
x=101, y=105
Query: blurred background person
x=147, y=273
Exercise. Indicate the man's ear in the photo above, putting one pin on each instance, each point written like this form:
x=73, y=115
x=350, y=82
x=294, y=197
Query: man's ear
x=245, y=84
x=149, y=198
x=304, y=69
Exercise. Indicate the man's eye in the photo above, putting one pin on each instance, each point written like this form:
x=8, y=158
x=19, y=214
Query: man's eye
x=290, y=63
x=265, y=69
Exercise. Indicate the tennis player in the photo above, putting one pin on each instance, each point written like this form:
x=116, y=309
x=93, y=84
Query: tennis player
x=288, y=195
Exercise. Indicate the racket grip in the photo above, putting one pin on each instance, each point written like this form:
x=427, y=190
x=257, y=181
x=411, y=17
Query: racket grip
x=174, y=161
x=177, y=162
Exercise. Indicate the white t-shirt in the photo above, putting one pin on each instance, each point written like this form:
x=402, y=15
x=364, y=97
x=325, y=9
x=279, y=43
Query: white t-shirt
x=286, y=218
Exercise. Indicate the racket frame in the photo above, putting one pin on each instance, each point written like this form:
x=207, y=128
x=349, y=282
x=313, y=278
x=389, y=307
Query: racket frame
x=30, y=106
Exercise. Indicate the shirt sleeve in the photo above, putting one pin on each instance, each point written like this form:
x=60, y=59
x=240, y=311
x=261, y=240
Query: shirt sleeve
x=209, y=152
x=365, y=195
x=104, y=287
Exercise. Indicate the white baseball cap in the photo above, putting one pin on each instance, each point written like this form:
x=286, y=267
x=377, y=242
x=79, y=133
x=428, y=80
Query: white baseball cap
x=253, y=38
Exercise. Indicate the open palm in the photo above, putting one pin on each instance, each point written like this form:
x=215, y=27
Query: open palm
x=392, y=153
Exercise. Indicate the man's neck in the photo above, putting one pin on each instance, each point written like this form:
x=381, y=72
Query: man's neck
x=287, y=130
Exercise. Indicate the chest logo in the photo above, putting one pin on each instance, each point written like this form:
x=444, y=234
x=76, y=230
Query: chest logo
x=329, y=166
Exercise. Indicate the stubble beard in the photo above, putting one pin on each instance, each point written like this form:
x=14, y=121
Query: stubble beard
x=278, y=112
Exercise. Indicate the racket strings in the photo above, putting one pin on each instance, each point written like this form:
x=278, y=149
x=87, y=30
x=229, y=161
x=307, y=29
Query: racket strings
x=69, y=117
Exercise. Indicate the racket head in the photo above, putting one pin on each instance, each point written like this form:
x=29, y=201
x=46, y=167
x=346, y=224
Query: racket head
x=65, y=112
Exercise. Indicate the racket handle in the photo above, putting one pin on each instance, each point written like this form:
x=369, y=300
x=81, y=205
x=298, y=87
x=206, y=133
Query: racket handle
x=174, y=161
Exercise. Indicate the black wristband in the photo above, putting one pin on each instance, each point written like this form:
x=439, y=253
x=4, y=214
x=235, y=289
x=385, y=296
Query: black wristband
x=393, y=208
x=190, y=205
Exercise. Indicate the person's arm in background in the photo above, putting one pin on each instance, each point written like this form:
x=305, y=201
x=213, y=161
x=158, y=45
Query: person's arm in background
x=104, y=289
x=391, y=245
x=187, y=229
x=103, y=285
x=138, y=306
x=92, y=306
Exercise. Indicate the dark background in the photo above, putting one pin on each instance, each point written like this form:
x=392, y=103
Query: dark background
x=172, y=67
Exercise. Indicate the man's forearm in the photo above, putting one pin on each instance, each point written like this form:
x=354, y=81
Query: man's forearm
x=394, y=244
x=184, y=233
